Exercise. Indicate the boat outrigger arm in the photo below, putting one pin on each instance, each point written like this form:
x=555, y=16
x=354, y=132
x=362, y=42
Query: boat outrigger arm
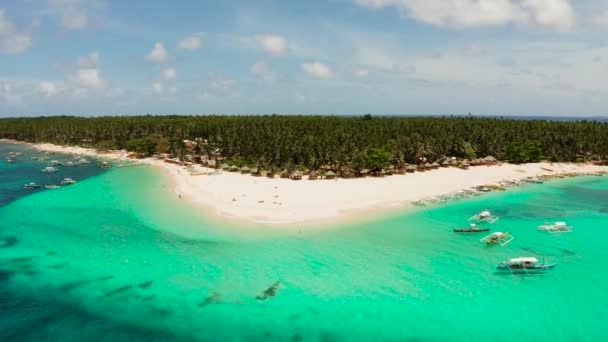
x=484, y=216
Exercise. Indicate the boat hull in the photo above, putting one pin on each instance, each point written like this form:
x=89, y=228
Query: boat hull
x=525, y=270
x=469, y=230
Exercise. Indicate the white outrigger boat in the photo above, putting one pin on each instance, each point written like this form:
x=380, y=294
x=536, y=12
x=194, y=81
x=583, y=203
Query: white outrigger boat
x=68, y=181
x=524, y=265
x=31, y=186
x=50, y=187
x=556, y=228
x=484, y=216
x=497, y=238
x=50, y=169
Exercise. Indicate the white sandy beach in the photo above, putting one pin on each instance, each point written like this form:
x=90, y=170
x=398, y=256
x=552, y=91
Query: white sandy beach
x=286, y=202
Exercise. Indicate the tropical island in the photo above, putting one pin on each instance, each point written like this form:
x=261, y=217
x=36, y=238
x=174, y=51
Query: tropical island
x=442, y=158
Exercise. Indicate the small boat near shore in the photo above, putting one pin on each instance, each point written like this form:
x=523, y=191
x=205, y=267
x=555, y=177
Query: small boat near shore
x=497, y=238
x=50, y=169
x=68, y=181
x=31, y=186
x=556, y=228
x=524, y=265
x=10, y=161
x=484, y=216
x=50, y=187
x=473, y=228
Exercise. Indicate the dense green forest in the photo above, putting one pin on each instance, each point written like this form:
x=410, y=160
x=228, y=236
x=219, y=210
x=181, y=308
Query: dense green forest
x=328, y=142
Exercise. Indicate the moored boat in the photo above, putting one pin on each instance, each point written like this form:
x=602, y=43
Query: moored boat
x=556, y=228
x=473, y=228
x=497, y=238
x=68, y=181
x=484, y=216
x=32, y=185
x=52, y=187
x=524, y=265
x=10, y=161
x=50, y=169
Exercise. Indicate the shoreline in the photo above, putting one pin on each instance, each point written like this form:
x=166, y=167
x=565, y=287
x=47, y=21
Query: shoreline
x=244, y=199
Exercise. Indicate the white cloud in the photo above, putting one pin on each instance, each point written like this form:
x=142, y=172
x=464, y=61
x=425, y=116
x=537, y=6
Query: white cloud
x=9, y=96
x=75, y=20
x=157, y=87
x=261, y=70
x=190, y=43
x=158, y=54
x=274, y=44
x=11, y=40
x=317, y=69
x=6, y=26
x=91, y=61
x=48, y=89
x=170, y=74
x=89, y=77
x=552, y=14
x=361, y=72
x=73, y=14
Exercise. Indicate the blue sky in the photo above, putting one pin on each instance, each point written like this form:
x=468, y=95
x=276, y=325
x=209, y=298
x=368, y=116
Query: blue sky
x=487, y=57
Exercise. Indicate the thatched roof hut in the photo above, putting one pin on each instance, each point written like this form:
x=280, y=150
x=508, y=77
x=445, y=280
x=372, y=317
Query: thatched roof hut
x=225, y=167
x=256, y=172
x=401, y=170
x=489, y=160
x=234, y=168
x=411, y=168
x=297, y=175
x=464, y=164
x=285, y=174
x=245, y=169
x=313, y=175
x=435, y=165
x=330, y=175
x=428, y=166
x=446, y=163
x=363, y=173
x=346, y=173
x=270, y=173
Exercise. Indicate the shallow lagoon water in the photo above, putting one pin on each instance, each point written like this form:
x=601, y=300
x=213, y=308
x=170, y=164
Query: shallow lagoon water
x=117, y=257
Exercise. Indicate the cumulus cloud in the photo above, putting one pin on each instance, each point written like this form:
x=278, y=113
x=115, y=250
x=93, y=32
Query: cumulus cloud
x=11, y=40
x=552, y=14
x=261, y=70
x=88, y=73
x=190, y=43
x=158, y=54
x=48, y=89
x=317, y=69
x=276, y=45
x=170, y=74
x=157, y=87
x=75, y=20
x=89, y=78
x=72, y=13
x=91, y=61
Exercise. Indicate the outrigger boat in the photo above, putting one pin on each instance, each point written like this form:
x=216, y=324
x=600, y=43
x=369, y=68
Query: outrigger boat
x=484, y=216
x=50, y=169
x=68, y=164
x=498, y=238
x=32, y=186
x=556, y=228
x=10, y=161
x=54, y=163
x=471, y=229
x=525, y=265
x=52, y=187
x=68, y=181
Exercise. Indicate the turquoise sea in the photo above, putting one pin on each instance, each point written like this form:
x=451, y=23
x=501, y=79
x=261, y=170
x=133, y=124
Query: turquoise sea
x=116, y=257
